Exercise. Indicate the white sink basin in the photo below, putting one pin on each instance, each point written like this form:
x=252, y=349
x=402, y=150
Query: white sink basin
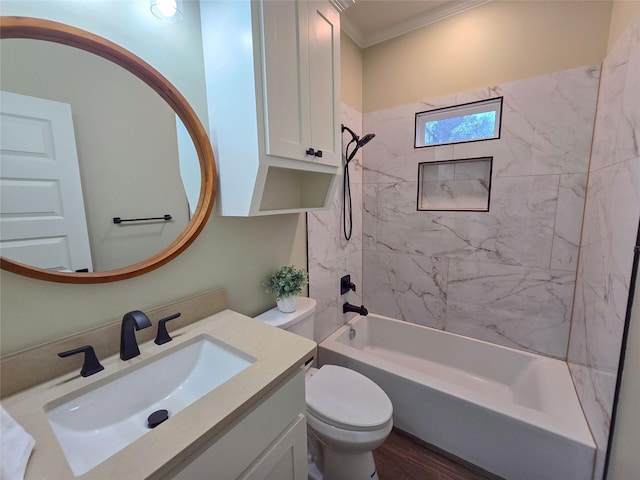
x=92, y=425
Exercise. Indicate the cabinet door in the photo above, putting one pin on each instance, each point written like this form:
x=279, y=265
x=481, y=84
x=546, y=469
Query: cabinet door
x=285, y=64
x=324, y=78
x=253, y=438
x=285, y=459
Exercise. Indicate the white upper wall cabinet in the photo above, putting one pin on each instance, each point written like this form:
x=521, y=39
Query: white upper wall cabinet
x=324, y=80
x=273, y=71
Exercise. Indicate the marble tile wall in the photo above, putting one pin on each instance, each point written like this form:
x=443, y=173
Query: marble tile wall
x=611, y=217
x=330, y=255
x=505, y=276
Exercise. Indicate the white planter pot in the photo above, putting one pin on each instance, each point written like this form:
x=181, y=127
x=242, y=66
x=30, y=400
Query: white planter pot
x=288, y=305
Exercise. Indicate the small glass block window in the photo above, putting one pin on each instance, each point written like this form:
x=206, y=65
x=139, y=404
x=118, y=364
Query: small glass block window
x=469, y=122
x=458, y=185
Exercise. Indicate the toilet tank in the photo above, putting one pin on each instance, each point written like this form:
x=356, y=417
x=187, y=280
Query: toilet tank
x=299, y=322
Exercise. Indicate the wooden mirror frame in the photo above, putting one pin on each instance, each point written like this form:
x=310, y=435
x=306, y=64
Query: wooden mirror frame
x=39, y=29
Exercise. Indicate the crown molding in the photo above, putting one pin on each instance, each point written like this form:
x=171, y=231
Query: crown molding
x=348, y=27
x=414, y=23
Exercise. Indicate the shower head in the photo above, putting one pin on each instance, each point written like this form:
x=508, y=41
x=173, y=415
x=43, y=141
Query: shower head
x=360, y=142
x=366, y=139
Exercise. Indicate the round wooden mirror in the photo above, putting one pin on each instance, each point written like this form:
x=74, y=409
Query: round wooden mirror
x=49, y=31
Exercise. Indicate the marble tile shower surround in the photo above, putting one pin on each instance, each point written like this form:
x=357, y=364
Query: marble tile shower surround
x=612, y=211
x=504, y=276
x=330, y=255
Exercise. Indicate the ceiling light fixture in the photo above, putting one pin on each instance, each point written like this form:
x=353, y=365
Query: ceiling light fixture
x=342, y=5
x=167, y=10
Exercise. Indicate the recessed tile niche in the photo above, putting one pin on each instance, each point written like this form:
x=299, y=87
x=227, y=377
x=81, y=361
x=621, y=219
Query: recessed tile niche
x=459, y=185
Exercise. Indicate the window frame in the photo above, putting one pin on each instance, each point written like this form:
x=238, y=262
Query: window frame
x=421, y=118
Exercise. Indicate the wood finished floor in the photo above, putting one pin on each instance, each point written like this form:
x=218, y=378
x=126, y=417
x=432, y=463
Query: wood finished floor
x=403, y=457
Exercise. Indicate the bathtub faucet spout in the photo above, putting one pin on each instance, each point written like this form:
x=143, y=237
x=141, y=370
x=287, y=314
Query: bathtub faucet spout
x=347, y=307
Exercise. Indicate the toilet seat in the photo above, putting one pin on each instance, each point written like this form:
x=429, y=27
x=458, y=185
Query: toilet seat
x=347, y=399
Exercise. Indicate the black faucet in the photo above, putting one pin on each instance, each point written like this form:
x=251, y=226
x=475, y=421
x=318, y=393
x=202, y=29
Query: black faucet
x=347, y=307
x=132, y=321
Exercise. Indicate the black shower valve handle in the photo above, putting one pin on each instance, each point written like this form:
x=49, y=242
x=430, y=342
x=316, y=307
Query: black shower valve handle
x=346, y=284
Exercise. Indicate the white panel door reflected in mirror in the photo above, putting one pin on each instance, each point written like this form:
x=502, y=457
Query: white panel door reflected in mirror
x=42, y=217
x=127, y=148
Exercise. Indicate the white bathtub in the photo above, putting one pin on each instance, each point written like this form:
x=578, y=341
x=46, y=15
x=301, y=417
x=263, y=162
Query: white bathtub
x=510, y=412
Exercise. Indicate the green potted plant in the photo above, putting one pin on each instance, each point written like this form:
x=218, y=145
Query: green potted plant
x=286, y=284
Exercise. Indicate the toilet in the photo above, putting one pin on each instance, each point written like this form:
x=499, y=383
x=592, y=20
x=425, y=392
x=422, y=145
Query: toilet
x=348, y=415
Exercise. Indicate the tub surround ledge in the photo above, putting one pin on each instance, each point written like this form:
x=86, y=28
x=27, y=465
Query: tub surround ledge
x=279, y=356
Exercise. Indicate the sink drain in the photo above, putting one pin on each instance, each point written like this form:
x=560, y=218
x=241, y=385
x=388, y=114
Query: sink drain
x=156, y=418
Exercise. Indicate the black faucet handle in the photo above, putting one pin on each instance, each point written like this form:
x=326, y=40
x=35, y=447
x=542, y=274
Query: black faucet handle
x=91, y=364
x=162, y=336
x=346, y=284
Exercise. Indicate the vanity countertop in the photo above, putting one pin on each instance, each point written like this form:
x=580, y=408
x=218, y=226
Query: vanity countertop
x=279, y=354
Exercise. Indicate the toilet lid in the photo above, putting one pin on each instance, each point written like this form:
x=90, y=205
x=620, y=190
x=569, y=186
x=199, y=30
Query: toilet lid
x=346, y=399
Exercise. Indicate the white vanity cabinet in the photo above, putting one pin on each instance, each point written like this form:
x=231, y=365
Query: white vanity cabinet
x=272, y=70
x=267, y=443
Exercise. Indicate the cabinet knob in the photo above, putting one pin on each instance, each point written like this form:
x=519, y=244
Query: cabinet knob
x=318, y=153
x=311, y=151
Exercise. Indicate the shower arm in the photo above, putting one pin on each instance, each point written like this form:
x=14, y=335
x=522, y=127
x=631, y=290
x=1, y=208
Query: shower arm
x=354, y=137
